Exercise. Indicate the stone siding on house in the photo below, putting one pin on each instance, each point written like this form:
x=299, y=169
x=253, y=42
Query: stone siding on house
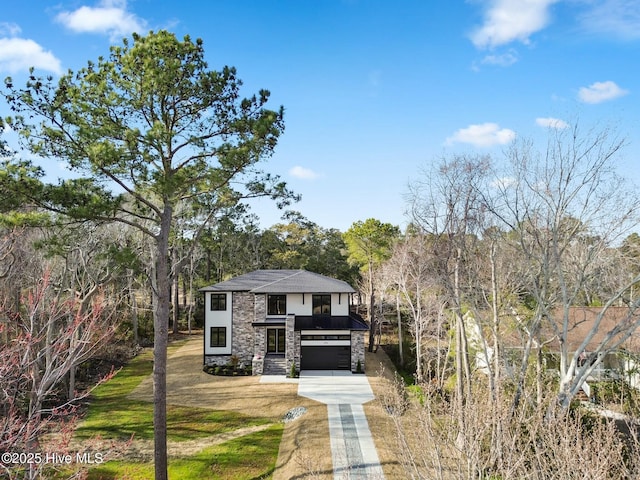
x=260, y=308
x=296, y=346
x=290, y=350
x=242, y=331
x=260, y=342
x=357, y=350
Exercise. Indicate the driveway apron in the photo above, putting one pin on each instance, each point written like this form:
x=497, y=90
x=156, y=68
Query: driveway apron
x=353, y=452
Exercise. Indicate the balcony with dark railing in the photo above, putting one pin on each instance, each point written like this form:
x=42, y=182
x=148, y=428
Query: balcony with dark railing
x=353, y=321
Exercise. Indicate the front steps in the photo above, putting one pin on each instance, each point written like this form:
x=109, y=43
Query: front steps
x=275, y=365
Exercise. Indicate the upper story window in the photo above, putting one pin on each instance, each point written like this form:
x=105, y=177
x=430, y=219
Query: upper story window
x=218, y=301
x=322, y=304
x=276, y=305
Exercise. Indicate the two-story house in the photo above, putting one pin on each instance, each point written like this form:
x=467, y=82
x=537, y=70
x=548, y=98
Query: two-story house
x=273, y=318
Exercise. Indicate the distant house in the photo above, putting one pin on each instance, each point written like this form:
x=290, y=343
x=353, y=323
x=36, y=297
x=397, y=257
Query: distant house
x=272, y=319
x=622, y=361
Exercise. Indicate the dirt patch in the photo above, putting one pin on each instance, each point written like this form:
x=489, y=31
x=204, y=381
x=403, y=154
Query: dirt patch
x=305, y=449
x=381, y=373
x=188, y=385
x=142, y=450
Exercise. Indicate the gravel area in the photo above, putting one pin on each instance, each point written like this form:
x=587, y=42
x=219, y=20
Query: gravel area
x=294, y=414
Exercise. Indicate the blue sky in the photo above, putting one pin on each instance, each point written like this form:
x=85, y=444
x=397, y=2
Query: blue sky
x=375, y=91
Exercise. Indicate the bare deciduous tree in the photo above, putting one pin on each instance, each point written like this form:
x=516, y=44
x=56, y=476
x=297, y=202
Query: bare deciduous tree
x=536, y=445
x=411, y=268
x=35, y=362
x=569, y=208
x=447, y=205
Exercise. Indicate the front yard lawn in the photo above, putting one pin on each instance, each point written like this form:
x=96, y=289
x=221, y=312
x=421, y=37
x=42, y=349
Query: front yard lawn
x=249, y=457
x=113, y=415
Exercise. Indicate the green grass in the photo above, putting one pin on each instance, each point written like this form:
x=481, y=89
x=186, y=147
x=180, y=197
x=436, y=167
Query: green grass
x=250, y=457
x=183, y=423
x=112, y=415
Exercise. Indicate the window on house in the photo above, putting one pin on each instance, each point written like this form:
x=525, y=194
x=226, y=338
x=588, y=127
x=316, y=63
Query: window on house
x=325, y=337
x=322, y=304
x=218, y=337
x=218, y=301
x=277, y=305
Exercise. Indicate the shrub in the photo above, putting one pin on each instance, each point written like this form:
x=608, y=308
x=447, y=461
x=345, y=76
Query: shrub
x=234, y=360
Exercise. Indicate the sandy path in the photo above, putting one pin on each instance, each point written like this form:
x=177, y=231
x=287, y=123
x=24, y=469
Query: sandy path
x=142, y=450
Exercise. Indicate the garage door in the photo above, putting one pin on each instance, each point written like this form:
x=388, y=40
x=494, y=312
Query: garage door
x=325, y=350
x=329, y=357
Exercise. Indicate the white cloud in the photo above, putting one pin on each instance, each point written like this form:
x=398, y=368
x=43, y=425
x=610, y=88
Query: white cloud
x=550, y=122
x=506, y=21
x=600, y=92
x=303, y=173
x=619, y=18
x=482, y=135
x=109, y=17
x=502, y=60
x=10, y=29
x=19, y=54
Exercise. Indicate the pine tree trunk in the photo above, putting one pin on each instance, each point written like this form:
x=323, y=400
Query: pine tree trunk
x=160, y=340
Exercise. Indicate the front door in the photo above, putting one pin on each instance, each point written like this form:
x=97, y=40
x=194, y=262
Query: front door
x=276, y=340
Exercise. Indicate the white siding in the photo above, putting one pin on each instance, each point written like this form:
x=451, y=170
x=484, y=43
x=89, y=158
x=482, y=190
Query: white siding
x=340, y=304
x=295, y=305
x=217, y=318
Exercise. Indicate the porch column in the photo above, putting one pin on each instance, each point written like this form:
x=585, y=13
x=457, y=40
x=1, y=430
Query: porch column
x=259, y=350
x=357, y=350
x=290, y=350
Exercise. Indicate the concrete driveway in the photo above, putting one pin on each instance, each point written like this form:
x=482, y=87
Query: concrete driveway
x=335, y=387
x=352, y=449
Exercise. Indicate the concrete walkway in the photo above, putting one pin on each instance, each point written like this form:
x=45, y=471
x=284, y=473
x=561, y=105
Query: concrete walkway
x=353, y=452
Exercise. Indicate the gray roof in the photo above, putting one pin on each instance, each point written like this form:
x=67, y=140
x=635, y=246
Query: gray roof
x=281, y=281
